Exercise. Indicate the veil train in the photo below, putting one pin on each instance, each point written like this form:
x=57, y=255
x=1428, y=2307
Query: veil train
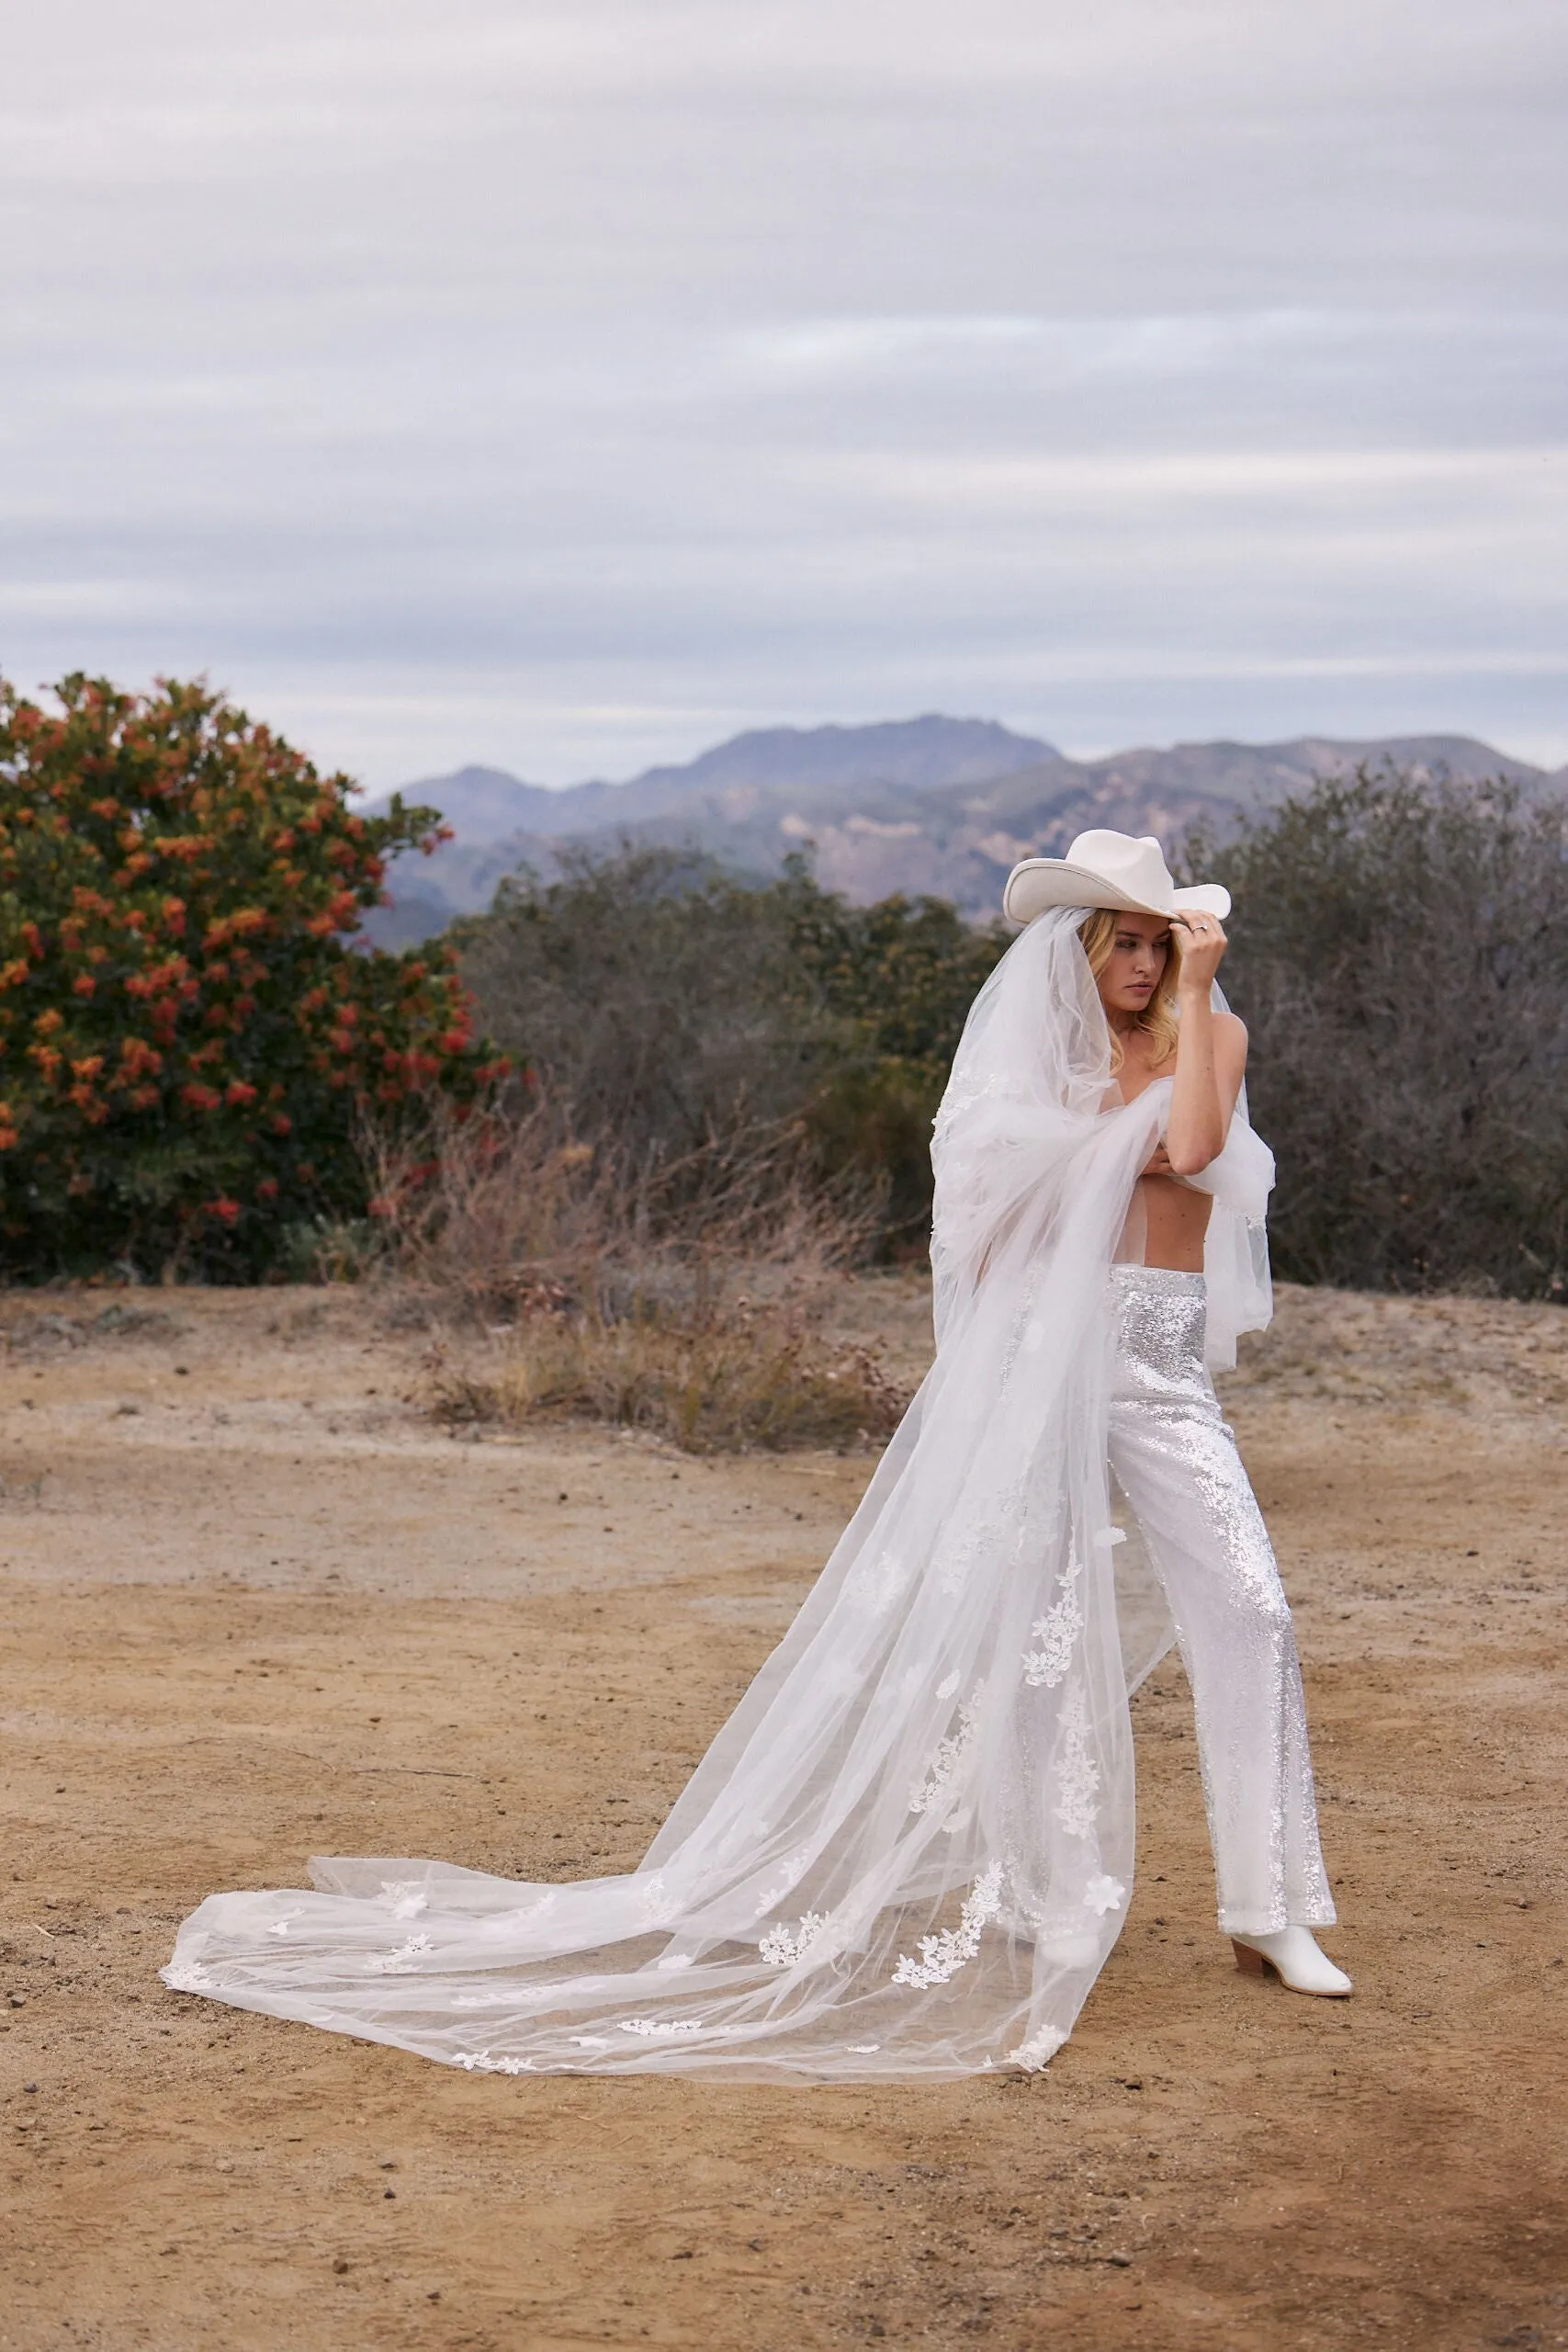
x=909, y=1849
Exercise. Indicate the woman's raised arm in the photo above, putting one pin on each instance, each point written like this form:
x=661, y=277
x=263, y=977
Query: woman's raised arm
x=1211, y=1056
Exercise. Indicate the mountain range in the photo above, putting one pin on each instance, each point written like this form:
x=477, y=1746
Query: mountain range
x=932, y=804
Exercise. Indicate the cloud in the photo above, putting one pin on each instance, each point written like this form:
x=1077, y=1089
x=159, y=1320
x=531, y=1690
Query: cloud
x=559, y=385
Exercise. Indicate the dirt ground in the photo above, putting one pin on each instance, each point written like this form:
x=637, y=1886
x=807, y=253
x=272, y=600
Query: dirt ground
x=255, y=1605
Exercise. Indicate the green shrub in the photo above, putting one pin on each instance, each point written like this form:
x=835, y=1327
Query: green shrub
x=1399, y=955
x=669, y=1003
x=890, y=986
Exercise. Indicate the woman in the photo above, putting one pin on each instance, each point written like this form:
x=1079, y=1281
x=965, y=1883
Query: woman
x=1170, y=1452
x=911, y=1849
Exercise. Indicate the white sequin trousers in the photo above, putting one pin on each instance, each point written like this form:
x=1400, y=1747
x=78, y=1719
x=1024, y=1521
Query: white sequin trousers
x=1177, y=1463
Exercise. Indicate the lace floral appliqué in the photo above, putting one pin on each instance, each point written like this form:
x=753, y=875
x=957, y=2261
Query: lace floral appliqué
x=877, y=1579
x=1077, y=1774
x=404, y=1898
x=941, y=1956
x=951, y=1756
x=1001, y=1530
x=658, y=1906
x=785, y=1948
x=793, y=1871
x=1039, y=2050
x=401, y=1962
x=1056, y=1632
x=192, y=1978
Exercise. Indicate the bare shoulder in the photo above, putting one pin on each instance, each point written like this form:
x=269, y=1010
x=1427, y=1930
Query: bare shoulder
x=1230, y=1036
x=1230, y=1052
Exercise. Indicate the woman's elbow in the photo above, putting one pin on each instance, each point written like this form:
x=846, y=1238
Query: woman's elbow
x=1189, y=1159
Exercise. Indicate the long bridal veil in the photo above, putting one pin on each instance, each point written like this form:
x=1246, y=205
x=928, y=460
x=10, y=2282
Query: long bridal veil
x=911, y=1849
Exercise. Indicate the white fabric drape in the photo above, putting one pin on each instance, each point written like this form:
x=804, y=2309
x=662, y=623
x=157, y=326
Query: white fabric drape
x=911, y=1849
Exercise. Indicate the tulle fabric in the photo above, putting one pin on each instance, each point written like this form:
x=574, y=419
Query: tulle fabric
x=911, y=1849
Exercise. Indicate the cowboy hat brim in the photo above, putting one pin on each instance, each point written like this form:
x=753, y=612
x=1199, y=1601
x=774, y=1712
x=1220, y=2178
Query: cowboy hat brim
x=1041, y=883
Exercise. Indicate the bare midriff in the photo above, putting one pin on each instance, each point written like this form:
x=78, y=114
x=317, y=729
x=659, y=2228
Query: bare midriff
x=1176, y=1220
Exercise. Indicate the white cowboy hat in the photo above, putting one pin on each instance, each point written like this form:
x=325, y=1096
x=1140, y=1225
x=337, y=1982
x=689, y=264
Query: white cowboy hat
x=1108, y=870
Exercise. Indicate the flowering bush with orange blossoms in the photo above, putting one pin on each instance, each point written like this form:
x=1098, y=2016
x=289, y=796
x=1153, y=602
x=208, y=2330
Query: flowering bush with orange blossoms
x=189, y=1027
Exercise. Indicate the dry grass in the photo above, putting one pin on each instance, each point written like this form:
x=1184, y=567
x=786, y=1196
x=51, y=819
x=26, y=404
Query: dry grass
x=687, y=1299
x=744, y=1381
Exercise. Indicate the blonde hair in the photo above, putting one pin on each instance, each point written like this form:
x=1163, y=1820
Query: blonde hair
x=1159, y=1019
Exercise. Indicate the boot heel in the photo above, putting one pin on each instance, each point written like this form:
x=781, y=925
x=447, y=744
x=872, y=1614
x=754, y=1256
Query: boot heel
x=1250, y=1963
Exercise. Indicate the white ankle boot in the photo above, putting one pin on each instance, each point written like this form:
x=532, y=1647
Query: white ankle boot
x=1292, y=1953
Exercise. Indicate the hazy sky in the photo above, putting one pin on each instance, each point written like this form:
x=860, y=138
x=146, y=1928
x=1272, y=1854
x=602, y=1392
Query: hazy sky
x=564, y=387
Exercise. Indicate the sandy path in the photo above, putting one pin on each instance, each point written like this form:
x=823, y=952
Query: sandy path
x=263, y=1609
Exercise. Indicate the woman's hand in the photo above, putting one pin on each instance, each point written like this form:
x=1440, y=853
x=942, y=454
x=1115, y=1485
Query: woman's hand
x=1159, y=1165
x=1202, y=945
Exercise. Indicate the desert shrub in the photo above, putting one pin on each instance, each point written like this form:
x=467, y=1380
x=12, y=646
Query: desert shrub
x=1399, y=955
x=649, y=990
x=672, y=1004
x=510, y=1204
x=739, y=1381
x=187, y=1023
x=689, y=1297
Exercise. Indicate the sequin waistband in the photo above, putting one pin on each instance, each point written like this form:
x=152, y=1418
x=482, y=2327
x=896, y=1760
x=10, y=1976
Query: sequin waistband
x=1157, y=1282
